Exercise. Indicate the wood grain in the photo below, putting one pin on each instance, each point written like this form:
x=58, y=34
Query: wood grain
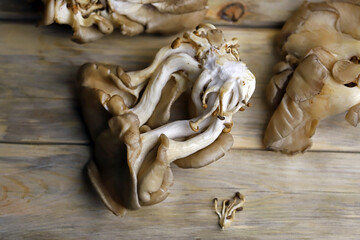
x=41, y=120
x=44, y=193
x=24, y=60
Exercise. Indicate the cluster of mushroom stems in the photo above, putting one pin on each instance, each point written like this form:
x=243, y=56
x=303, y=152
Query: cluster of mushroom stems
x=91, y=19
x=201, y=65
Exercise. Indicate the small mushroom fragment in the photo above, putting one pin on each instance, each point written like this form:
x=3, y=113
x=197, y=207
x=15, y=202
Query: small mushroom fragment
x=319, y=75
x=91, y=19
x=130, y=116
x=228, y=210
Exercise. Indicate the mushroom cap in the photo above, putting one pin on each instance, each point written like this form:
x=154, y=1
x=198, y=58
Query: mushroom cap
x=319, y=75
x=115, y=152
x=116, y=136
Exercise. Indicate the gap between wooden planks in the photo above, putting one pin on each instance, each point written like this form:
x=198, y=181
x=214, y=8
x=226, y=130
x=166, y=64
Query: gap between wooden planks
x=43, y=192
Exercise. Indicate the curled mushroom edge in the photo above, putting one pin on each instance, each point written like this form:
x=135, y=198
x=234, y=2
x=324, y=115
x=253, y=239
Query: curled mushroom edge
x=133, y=119
x=318, y=76
x=92, y=19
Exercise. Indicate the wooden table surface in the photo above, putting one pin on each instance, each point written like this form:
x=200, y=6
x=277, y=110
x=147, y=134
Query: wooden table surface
x=44, y=193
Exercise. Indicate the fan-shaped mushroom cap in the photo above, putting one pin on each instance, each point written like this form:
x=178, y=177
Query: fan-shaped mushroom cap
x=319, y=76
x=115, y=179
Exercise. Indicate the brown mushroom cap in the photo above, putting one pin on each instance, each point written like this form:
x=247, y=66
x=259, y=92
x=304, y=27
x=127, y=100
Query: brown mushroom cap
x=49, y=12
x=307, y=80
x=321, y=45
x=116, y=178
x=298, y=18
x=289, y=129
x=353, y=115
x=345, y=71
x=155, y=176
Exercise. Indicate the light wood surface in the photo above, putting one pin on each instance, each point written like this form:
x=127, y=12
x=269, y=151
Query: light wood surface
x=44, y=193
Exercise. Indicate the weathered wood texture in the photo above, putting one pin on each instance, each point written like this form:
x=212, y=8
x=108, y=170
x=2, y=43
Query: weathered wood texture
x=44, y=195
x=252, y=13
x=37, y=84
x=44, y=146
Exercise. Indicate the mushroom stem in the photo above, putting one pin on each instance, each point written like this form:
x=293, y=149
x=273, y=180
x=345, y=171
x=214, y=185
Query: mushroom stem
x=152, y=93
x=227, y=215
x=173, y=130
x=180, y=149
x=171, y=150
x=199, y=84
x=138, y=77
x=195, y=124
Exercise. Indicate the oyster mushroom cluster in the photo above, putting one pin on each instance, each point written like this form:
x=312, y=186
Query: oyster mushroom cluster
x=318, y=76
x=91, y=19
x=138, y=133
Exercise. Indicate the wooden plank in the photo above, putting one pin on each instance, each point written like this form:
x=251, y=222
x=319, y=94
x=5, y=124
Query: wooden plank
x=42, y=61
x=41, y=120
x=245, y=13
x=19, y=10
x=43, y=195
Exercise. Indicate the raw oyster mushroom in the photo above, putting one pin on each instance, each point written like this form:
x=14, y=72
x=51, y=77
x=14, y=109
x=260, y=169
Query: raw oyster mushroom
x=91, y=19
x=319, y=75
x=130, y=116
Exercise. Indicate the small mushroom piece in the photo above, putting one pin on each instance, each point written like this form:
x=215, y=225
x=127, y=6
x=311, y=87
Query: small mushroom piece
x=319, y=76
x=131, y=122
x=228, y=210
x=93, y=19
